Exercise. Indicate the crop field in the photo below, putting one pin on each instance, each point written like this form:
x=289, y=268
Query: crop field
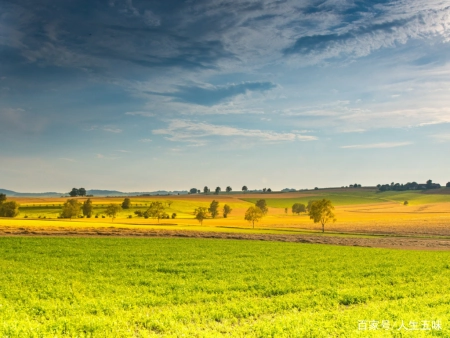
x=77, y=287
x=357, y=210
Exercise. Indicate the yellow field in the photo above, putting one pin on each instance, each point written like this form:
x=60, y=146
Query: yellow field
x=384, y=216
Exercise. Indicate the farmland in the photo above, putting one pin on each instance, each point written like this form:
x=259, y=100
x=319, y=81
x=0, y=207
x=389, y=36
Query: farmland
x=176, y=277
x=200, y=287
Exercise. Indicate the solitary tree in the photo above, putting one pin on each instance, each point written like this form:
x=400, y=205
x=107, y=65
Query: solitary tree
x=269, y=190
x=71, y=209
x=200, y=214
x=244, y=188
x=214, y=208
x=297, y=208
x=81, y=192
x=169, y=203
x=229, y=189
x=112, y=210
x=448, y=185
x=205, y=190
x=262, y=205
x=156, y=210
x=126, y=204
x=88, y=208
x=9, y=209
x=74, y=192
x=226, y=210
x=193, y=190
x=218, y=190
x=322, y=212
x=253, y=214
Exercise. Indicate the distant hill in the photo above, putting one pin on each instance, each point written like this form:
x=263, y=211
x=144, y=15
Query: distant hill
x=94, y=192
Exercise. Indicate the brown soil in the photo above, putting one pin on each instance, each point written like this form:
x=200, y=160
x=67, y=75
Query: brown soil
x=376, y=242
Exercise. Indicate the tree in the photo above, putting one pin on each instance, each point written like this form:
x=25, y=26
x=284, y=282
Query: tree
x=200, y=214
x=226, y=210
x=205, y=190
x=285, y=210
x=229, y=189
x=429, y=184
x=74, y=192
x=262, y=205
x=81, y=192
x=156, y=210
x=2, y=198
x=126, y=204
x=297, y=208
x=112, y=210
x=88, y=208
x=193, y=191
x=269, y=190
x=253, y=214
x=9, y=209
x=264, y=189
x=405, y=203
x=214, y=208
x=448, y=185
x=218, y=190
x=321, y=211
x=71, y=209
x=244, y=188
x=308, y=207
x=169, y=203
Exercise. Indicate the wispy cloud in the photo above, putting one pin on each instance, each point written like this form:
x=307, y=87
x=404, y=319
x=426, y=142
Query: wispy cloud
x=183, y=130
x=140, y=113
x=146, y=140
x=112, y=130
x=378, y=145
x=103, y=157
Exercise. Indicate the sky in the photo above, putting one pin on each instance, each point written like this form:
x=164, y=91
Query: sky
x=140, y=95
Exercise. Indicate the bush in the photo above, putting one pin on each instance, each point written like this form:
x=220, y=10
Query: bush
x=130, y=216
x=103, y=216
x=174, y=215
x=96, y=216
x=405, y=203
x=26, y=216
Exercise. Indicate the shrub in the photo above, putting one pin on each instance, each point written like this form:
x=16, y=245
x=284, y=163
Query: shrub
x=174, y=215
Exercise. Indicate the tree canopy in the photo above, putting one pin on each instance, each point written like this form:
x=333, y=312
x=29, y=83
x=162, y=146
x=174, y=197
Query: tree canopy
x=200, y=214
x=321, y=211
x=229, y=189
x=297, y=208
x=156, y=210
x=226, y=210
x=214, y=208
x=112, y=210
x=8, y=209
x=262, y=205
x=244, y=188
x=126, y=204
x=253, y=214
x=71, y=208
x=88, y=208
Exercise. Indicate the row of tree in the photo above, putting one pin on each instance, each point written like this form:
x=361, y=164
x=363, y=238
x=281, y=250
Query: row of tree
x=228, y=189
x=8, y=208
x=77, y=192
x=409, y=186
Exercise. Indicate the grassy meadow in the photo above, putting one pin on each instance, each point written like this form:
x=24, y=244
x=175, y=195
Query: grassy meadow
x=90, y=287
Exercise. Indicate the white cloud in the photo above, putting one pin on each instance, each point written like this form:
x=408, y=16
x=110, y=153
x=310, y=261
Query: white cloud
x=140, y=113
x=378, y=145
x=183, y=130
x=112, y=130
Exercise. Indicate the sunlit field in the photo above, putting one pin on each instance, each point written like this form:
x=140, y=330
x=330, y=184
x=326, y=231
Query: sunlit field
x=91, y=287
x=357, y=210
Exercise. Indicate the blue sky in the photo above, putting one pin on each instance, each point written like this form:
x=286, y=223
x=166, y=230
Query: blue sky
x=146, y=95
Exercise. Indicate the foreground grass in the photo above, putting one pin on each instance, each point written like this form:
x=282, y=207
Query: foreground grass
x=174, y=287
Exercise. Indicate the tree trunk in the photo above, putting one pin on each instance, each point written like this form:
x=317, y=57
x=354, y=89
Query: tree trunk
x=323, y=227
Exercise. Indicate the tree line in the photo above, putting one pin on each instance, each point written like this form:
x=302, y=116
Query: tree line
x=410, y=186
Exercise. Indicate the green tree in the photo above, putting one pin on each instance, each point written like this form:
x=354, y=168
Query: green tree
x=214, y=208
x=156, y=210
x=9, y=209
x=74, y=192
x=262, y=205
x=193, y=190
x=229, y=189
x=205, y=190
x=448, y=185
x=226, y=210
x=218, y=190
x=88, y=208
x=112, y=210
x=297, y=208
x=81, y=192
x=169, y=202
x=308, y=207
x=71, y=208
x=321, y=211
x=2, y=198
x=126, y=204
x=405, y=203
x=200, y=214
x=253, y=214
x=429, y=184
x=244, y=188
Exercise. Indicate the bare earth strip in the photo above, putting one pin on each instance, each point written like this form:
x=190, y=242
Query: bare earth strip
x=376, y=242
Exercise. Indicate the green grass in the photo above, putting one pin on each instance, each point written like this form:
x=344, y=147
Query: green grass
x=357, y=197
x=79, y=287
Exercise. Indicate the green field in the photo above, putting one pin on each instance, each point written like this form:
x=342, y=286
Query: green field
x=357, y=197
x=77, y=287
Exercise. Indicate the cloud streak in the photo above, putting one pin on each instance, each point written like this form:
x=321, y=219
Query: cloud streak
x=384, y=145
